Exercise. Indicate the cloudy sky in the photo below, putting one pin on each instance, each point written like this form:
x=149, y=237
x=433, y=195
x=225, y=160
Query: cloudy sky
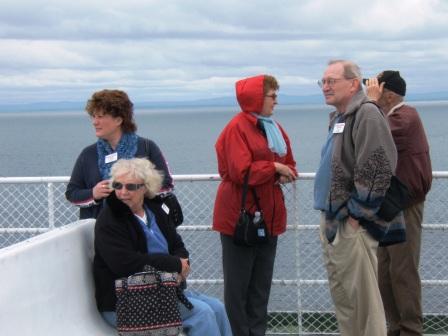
x=162, y=50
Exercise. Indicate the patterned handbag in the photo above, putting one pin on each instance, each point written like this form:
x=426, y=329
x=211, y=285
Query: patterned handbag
x=147, y=304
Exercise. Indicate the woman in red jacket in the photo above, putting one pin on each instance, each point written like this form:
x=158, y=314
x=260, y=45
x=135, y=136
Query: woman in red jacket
x=251, y=142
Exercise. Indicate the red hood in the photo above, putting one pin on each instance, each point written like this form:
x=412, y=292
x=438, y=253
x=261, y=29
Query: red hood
x=249, y=93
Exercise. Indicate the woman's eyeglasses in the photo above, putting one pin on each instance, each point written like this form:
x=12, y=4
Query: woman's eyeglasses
x=128, y=186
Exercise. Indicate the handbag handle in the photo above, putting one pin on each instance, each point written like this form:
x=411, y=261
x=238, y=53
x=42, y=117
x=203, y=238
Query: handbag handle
x=254, y=194
x=245, y=187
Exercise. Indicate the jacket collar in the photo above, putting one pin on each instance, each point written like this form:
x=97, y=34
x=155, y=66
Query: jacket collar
x=355, y=103
x=120, y=209
x=395, y=108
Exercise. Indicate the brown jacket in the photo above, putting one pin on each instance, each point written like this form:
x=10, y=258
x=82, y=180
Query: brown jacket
x=414, y=163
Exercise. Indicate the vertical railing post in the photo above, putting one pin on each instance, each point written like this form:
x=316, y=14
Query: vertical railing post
x=50, y=194
x=296, y=235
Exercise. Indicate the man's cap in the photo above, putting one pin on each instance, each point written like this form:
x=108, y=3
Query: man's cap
x=392, y=81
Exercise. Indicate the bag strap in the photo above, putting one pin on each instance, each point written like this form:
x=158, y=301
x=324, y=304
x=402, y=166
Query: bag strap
x=183, y=298
x=254, y=194
x=146, y=141
x=245, y=187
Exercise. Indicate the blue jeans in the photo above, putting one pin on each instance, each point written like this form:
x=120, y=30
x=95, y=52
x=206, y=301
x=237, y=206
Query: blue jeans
x=208, y=317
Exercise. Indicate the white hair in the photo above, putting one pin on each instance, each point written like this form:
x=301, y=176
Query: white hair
x=142, y=169
x=351, y=70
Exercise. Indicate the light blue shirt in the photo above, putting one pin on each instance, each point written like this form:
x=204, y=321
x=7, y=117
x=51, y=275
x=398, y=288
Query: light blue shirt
x=155, y=239
x=323, y=175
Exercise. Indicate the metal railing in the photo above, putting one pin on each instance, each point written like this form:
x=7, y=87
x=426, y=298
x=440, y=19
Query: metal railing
x=300, y=302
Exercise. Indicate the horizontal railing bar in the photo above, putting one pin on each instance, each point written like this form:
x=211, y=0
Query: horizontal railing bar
x=179, y=178
x=285, y=282
x=316, y=226
x=299, y=227
x=196, y=177
x=24, y=230
x=36, y=179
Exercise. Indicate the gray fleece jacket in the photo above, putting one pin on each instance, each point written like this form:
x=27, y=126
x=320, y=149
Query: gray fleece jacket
x=364, y=158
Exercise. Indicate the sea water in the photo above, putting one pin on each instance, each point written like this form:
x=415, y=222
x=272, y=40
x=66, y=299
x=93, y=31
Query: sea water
x=48, y=143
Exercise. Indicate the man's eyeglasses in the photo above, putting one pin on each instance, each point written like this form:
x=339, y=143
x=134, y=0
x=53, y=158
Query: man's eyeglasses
x=273, y=96
x=330, y=81
x=128, y=186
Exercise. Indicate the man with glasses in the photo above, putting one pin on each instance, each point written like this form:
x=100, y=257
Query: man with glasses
x=399, y=278
x=358, y=160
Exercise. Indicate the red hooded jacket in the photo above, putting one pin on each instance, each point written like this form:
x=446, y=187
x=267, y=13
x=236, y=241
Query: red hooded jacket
x=240, y=146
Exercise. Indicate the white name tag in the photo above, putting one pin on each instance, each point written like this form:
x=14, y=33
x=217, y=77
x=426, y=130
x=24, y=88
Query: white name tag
x=111, y=158
x=165, y=208
x=339, y=128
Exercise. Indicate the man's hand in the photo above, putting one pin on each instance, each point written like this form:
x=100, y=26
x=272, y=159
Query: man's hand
x=374, y=90
x=353, y=222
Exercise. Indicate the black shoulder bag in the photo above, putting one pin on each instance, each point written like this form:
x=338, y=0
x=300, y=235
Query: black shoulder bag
x=169, y=198
x=397, y=198
x=250, y=229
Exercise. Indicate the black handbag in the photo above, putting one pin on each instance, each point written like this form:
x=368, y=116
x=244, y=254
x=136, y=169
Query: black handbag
x=176, y=215
x=397, y=198
x=147, y=304
x=250, y=229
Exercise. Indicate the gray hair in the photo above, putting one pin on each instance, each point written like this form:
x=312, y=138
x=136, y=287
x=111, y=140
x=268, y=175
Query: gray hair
x=351, y=70
x=142, y=169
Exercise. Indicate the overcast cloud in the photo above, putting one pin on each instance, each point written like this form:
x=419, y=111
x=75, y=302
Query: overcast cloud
x=159, y=50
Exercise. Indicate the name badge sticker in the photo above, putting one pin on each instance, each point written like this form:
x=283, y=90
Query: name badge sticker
x=339, y=128
x=111, y=158
x=166, y=209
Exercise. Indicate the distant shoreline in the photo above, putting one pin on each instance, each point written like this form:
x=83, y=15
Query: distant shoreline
x=436, y=98
x=185, y=107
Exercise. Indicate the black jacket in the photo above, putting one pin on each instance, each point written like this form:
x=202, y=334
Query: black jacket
x=121, y=248
x=86, y=175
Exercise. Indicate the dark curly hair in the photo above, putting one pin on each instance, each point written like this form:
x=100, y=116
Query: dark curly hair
x=115, y=103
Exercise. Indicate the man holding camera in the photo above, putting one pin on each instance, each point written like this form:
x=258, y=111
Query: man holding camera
x=398, y=265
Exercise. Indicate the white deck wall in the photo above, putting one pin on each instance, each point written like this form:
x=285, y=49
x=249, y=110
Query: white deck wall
x=37, y=273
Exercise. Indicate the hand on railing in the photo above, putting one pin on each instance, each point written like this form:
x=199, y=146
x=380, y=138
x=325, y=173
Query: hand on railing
x=286, y=174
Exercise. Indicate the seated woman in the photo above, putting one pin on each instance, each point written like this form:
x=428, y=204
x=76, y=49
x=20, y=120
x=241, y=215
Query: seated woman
x=132, y=231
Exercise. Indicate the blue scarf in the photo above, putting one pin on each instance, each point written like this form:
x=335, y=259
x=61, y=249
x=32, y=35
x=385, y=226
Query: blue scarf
x=126, y=149
x=276, y=142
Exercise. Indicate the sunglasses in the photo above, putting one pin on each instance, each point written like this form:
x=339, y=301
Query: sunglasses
x=127, y=186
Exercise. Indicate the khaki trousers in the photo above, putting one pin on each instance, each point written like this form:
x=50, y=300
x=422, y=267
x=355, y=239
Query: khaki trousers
x=351, y=262
x=399, y=278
